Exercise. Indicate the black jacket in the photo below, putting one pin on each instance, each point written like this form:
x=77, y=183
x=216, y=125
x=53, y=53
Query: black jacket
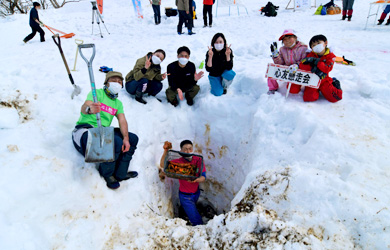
x=179, y=77
x=219, y=62
x=34, y=15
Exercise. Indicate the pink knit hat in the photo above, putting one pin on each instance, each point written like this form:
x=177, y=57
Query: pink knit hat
x=288, y=32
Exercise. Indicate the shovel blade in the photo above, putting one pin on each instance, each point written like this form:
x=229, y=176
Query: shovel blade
x=95, y=150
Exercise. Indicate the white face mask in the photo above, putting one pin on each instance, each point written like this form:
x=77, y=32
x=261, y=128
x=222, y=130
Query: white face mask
x=292, y=45
x=189, y=158
x=156, y=60
x=183, y=61
x=114, y=87
x=319, y=48
x=219, y=46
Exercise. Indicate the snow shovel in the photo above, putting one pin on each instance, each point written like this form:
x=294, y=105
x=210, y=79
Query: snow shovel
x=100, y=144
x=77, y=89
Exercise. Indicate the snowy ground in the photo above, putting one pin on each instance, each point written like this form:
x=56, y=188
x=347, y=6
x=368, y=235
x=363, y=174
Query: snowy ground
x=284, y=174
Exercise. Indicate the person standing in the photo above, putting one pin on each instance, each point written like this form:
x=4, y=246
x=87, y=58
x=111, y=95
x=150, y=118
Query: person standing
x=208, y=9
x=34, y=23
x=184, y=8
x=384, y=14
x=347, y=9
x=156, y=9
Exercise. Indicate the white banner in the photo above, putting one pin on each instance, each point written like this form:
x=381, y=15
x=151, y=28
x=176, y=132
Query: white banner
x=301, y=77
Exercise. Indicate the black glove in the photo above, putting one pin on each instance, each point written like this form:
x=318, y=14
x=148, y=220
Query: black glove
x=274, y=49
x=310, y=60
x=318, y=72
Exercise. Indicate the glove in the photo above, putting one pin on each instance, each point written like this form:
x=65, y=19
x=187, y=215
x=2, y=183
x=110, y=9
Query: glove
x=292, y=69
x=318, y=72
x=310, y=60
x=274, y=49
x=105, y=69
x=41, y=24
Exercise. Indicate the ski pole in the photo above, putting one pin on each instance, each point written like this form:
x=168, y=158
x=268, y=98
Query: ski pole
x=78, y=42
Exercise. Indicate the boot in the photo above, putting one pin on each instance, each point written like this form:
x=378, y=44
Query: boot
x=349, y=18
x=190, y=101
x=349, y=15
x=388, y=22
x=336, y=83
x=138, y=97
x=380, y=21
x=130, y=174
x=112, y=182
x=344, y=17
x=175, y=102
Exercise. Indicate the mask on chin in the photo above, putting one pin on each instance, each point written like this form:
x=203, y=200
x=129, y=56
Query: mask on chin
x=189, y=158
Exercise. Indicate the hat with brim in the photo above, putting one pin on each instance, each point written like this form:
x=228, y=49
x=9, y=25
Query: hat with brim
x=288, y=32
x=112, y=74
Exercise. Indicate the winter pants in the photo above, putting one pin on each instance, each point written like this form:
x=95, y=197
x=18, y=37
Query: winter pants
x=208, y=9
x=157, y=15
x=385, y=12
x=34, y=31
x=219, y=83
x=330, y=92
x=347, y=4
x=153, y=87
x=188, y=202
x=183, y=16
x=119, y=167
x=191, y=93
x=272, y=84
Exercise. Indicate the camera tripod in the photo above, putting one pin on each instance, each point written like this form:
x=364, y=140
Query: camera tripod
x=96, y=14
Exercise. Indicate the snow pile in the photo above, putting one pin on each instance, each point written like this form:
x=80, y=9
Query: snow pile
x=281, y=173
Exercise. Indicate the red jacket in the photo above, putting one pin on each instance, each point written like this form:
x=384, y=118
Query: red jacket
x=208, y=2
x=325, y=64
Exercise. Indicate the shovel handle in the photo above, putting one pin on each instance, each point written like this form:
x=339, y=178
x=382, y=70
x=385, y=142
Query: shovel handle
x=78, y=41
x=58, y=43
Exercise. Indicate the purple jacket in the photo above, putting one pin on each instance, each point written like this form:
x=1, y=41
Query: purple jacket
x=289, y=56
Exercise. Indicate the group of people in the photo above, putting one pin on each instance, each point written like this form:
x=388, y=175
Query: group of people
x=146, y=76
x=319, y=60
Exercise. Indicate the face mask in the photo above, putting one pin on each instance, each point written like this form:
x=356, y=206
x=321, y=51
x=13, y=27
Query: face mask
x=114, y=87
x=318, y=48
x=219, y=46
x=156, y=60
x=189, y=158
x=183, y=61
x=292, y=45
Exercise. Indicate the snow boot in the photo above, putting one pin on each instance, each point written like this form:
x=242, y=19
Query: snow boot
x=190, y=32
x=336, y=83
x=130, y=174
x=175, y=102
x=349, y=18
x=190, y=101
x=380, y=21
x=112, y=182
x=344, y=17
x=388, y=22
x=138, y=97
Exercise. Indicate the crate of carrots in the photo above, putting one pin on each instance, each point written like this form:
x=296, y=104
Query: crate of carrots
x=176, y=165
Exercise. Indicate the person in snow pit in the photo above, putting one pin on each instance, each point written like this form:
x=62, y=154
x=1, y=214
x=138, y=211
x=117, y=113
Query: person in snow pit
x=219, y=64
x=146, y=77
x=320, y=62
x=188, y=190
x=35, y=23
x=182, y=77
x=125, y=143
x=291, y=54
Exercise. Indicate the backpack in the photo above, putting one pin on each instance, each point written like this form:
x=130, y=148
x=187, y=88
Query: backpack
x=318, y=11
x=323, y=11
x=269, y=10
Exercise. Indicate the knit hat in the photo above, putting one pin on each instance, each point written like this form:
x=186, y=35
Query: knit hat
x=111, y=74
x=288, y=32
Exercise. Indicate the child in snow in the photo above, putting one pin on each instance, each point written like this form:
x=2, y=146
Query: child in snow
x=291, y=54
x=188, y=190
x=182, y=78
x=347, y=9
x=125, y=143
x=34, y=23
x=219, y=64
x=384, y=14
x=320, y=61
x=156, y=9
x=146, y=77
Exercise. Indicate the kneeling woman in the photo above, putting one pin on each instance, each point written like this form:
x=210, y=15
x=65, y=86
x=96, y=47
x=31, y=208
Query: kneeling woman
x=219, y=64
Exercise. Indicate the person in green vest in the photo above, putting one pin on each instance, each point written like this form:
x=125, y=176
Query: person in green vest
x=125, y=143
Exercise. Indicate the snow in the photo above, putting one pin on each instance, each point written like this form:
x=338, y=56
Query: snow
x=283, y=174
